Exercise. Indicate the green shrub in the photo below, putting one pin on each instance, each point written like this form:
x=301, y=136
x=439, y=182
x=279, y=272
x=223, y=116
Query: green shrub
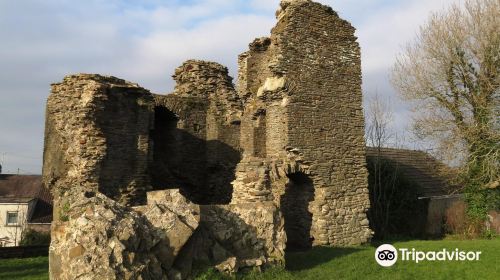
x=395, y=211
x=32, y=238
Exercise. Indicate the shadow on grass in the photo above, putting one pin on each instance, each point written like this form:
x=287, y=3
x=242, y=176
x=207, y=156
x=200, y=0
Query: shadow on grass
x=377, y=242
x=314, y=257
x=395, y=239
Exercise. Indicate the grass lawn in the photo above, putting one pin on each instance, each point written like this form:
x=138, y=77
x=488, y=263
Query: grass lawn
x=337, y=263
x=359, y=263
x=30, y=268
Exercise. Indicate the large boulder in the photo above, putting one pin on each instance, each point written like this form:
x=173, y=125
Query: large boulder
x=235, y=237
x=174, y=218
x=97, y=238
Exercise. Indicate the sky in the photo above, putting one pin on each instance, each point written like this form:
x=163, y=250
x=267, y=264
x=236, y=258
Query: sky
x=144, y=41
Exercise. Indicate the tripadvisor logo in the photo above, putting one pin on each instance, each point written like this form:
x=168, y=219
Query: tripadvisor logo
x=387, y=255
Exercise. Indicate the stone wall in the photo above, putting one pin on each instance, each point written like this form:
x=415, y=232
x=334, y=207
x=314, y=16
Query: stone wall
x=199, y=149
x=234, y=238
x=302, y=89
x=282, y=157
x=179, y=157
x=97, y=134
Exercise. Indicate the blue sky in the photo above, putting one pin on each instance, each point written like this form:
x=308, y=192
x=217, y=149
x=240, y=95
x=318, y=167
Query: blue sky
x=143, y=42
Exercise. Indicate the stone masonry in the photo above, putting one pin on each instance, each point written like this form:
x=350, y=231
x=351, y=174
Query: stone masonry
x=303, y=119
x=150, y=186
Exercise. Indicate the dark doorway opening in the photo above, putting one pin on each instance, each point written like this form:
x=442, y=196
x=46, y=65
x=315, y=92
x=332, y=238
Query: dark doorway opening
x=164, y=149
x=260, y=134
x=178, y=156
x=299, y=192
x=182, y=158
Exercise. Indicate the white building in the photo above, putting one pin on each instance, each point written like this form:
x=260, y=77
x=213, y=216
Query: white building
x=24, y=204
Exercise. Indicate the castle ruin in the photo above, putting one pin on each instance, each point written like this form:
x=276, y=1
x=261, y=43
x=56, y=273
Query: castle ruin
x=148, y=186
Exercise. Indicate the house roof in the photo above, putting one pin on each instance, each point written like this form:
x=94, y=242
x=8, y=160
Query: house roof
x=24, y=188
x=15, y=199
x=418, y=167
x=19, y=188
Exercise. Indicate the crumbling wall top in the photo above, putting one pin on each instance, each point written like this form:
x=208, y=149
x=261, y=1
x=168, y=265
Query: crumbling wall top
x=286, y=4
x=110, y=81
x=260, y=44
x=198, y=78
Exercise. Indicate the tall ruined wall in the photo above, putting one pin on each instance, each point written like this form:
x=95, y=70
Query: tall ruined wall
x=280, y=160
x=326, y=120
x=97, y=133
x=306, y=106
x=209, y=80
x=254, y=67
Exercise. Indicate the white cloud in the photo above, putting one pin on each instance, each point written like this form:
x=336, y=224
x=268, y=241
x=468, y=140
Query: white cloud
x=44, y=40
x=220, y=40
x=382, y=35
x=265, y=5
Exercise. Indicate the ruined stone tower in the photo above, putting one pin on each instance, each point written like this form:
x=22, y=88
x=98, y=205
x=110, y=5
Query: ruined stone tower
x=301, y=90
x=147, y=186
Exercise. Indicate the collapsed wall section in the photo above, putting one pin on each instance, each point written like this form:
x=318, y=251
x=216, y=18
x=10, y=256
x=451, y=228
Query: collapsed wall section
x=105, y=240
x=235, y=238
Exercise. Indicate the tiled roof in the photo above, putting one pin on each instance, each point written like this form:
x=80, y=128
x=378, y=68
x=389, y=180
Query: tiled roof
x=24, y=188
x=19, y=188
x=418, y=167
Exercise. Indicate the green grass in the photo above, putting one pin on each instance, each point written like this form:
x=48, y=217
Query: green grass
x=336, y=263
x=29, y=268
x=359, y=263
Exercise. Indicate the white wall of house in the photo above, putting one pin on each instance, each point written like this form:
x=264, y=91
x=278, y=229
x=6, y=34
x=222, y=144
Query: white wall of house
x=10, y=233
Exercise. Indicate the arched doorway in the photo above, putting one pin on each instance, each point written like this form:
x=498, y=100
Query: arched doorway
x=299, y=192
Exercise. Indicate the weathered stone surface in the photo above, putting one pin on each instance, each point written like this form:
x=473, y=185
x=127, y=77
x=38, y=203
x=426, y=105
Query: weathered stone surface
x=201, y=135
x=97, y=134
x=173, y=201
x=235, y=237
x=174, y=218
x=252, y=232
x=301, y=89
x=104, y=240
x=196, y=78
x=278, y=162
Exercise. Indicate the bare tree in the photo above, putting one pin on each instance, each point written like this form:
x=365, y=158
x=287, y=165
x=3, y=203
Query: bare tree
x=451, y=75
x=390, y=194
x=379, y=117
